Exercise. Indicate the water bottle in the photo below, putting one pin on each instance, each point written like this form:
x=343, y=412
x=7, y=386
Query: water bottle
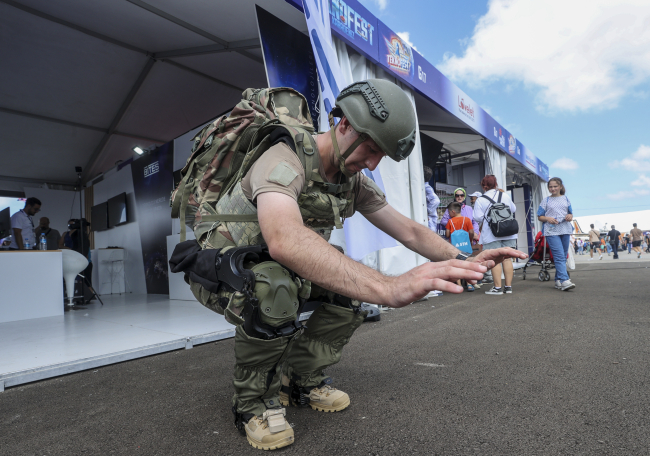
x=43, y=243
x=28, y=246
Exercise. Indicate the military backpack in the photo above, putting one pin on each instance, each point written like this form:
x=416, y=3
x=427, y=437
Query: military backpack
x=226, y=149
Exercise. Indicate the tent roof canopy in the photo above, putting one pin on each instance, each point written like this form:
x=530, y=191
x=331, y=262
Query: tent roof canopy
x=85, y=82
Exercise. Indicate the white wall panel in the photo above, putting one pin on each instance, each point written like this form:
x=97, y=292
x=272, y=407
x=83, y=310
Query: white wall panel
x=126, y=236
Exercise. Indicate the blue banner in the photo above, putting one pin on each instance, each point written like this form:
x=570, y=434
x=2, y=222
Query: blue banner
x=285, y=49
x=352, y=23
x=152, y=182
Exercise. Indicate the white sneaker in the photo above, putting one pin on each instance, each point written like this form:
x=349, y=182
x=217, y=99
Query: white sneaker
x=494, y=291
x=639, y=255
x=567, y=285
x=558, y=283
x=601, y=257
x=591, y=258
x=434, y=293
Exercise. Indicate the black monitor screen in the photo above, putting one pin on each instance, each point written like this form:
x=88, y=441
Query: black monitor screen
x=99, y=217
x=117, y=210
x=5, y=223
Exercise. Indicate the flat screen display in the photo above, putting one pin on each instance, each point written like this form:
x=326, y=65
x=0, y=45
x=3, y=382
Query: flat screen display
x=99, y=217
x=117, y=210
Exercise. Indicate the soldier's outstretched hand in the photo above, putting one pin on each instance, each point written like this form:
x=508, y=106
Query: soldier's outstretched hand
x=419, y=281
x=492, y=257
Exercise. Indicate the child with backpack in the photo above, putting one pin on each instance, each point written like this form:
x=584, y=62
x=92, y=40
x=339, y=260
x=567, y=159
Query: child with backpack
x=459, y=231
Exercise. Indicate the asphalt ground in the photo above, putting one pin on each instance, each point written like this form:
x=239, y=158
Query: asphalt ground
x=538, y=372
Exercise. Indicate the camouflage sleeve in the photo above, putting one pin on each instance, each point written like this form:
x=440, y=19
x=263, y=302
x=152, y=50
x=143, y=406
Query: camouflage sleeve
x=277, y=170
x=369, y=198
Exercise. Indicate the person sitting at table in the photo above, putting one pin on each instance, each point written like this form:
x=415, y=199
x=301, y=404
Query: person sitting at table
x=51, y=235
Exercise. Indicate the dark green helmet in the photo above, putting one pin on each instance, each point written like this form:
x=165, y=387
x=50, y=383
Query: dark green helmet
x=381, y=110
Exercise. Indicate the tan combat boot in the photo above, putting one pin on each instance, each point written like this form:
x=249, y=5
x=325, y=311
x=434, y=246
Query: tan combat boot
x=270, y=432
x=322, y=398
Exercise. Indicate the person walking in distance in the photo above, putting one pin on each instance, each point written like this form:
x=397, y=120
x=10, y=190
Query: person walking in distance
x=594, y=239
x=556, y=213
x=613, y=239
x=637, y=236
x=490, y=241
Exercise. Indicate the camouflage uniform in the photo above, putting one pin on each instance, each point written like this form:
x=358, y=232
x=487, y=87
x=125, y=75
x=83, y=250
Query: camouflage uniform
x=224, y=152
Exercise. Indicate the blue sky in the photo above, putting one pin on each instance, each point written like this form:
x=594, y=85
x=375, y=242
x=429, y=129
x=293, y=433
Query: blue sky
x=570, y=79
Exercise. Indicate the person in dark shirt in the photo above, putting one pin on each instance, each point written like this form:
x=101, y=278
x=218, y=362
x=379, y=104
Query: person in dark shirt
x=613, y=239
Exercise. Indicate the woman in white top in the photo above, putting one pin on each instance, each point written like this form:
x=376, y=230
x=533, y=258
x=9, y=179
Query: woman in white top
x=489, y=241
x=556, y=213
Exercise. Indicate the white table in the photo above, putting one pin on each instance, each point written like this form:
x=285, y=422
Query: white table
x=31, y=284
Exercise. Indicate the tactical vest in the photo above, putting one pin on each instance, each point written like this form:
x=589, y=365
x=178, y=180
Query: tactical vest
x=233, y=219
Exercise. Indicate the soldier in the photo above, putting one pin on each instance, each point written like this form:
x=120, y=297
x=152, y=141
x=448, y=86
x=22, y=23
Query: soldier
x=277, y=362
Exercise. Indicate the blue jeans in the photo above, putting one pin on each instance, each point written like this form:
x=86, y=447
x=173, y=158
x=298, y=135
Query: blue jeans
x=559, y=246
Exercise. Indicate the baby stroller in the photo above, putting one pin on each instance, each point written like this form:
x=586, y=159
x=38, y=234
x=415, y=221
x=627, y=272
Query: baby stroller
x=543, y=256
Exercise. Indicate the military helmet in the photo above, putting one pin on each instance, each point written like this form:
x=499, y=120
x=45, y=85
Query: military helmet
x=381, y=110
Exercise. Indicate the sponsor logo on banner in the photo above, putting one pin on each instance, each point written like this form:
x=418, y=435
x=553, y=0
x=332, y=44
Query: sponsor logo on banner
x=531, y=161
x=512, y=145
x=350, y=22
x=422, y=76
x=151, y=169
x=465, y=108
x=399, y=56
x=499, y=135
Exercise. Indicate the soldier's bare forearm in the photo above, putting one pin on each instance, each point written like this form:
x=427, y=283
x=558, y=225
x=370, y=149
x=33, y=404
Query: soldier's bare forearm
x=313, y=258
x=305, y=252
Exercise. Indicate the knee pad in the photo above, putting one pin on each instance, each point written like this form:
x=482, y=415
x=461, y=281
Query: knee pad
x=274, y=310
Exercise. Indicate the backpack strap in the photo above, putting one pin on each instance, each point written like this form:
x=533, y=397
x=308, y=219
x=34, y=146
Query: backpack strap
x=489, y=199
x=453, y=224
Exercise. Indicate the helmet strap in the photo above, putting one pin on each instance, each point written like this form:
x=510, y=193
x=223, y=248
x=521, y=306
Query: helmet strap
x=341, y=158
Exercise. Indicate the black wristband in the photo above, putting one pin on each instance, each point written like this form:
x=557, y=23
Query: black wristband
x=462, y=257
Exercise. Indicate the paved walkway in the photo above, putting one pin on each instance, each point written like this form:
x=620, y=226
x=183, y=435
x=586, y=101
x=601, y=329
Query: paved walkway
x=538, y=372
x=623, y=257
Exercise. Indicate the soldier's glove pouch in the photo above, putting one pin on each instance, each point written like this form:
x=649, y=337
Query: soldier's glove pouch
x=266, y=294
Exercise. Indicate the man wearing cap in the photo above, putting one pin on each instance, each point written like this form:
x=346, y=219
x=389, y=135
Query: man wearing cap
x=296, y=204
x=473, y=196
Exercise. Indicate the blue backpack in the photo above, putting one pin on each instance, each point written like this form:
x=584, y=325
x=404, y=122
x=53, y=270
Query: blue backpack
x=460, y=239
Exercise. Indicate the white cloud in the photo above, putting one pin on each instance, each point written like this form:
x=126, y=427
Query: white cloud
x=625, y=194
x=578, y=54
x=382, y=4
x=406, y=36
x=642, y=181
x=638, y=162
x=565, y=164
